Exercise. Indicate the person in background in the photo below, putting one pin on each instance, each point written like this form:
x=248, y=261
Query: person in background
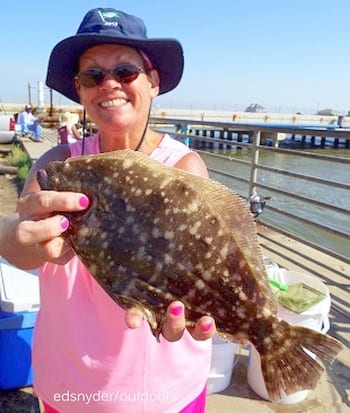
x=70, y=121
x=29, y=124
x=85, y=344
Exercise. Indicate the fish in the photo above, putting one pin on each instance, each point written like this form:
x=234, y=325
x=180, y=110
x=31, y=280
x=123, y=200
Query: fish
x=153, y=234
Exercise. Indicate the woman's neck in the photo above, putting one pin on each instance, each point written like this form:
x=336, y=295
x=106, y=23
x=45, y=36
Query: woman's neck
x=112, y=142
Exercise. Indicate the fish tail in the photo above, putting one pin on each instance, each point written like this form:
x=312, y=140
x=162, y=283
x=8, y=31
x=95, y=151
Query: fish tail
x=287, y=366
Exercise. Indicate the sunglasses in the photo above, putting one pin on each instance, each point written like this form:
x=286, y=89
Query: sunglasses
x=123, y=73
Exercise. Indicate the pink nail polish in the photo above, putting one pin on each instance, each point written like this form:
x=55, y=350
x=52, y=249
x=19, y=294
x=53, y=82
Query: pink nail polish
x=176, y=311
x=84, y=201
x=64, y=223
x=206, y=327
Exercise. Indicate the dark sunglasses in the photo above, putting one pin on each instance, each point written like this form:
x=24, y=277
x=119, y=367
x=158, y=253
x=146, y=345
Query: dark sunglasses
x=123, y=73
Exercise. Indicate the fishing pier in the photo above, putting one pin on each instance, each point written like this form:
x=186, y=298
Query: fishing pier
x=221, y=134
x=301, y=228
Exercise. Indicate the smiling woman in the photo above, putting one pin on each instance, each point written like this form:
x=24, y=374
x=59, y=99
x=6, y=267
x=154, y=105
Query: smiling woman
x=115, y=71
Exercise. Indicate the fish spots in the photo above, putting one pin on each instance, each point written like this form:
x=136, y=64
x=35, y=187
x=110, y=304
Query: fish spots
x=266, y=313
x=237, y=277
x=193, y=207
x=159, y=266
x=127, y=163
x=200, y=284
x=224, y=250
x=107, y=180
x=180, y=266
x=129, y=208
x=103, y=235
x=191, y=294
x=222, y=313
x=136, y=191
x=168, y=259
x=156, y=233
x=130, y=220
x=140, y=254
x=241, y=312
x=83, y=231
x=207, y=275
x=242, y=296
x=194, y=229
x=169, y=235
x=143, y=237
x=166, y=180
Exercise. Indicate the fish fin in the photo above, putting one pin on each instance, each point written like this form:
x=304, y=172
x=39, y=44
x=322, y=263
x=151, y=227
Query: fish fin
x=287, y=366
x=155, y=320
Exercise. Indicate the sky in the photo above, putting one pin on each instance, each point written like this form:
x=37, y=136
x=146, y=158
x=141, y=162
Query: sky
x=287, y=55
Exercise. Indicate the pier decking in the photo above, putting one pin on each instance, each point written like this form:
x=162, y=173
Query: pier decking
x=332, y=394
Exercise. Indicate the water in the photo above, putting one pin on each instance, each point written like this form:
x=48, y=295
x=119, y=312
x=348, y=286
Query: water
x=306, y=166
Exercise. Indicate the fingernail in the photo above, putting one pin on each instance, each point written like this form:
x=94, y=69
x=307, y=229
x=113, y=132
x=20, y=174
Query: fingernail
x=207, y=326
x=176, y=311
x=84, y=201
x=64, y=223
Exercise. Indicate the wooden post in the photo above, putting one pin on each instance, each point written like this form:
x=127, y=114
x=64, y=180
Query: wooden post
x=229, y=138
x=212, y=135
x=29, y=94
x=221, y=136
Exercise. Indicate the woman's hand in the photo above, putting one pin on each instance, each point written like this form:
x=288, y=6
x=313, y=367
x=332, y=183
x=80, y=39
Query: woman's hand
x=175, y=323
x=33, y=235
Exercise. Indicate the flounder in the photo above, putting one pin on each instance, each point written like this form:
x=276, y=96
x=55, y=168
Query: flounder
x=154, y=234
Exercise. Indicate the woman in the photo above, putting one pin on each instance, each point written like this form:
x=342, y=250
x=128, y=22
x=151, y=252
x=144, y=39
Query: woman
x=89, y=355
x=68, y=130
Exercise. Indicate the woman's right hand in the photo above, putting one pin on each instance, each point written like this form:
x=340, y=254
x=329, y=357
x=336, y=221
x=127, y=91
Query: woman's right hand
x=33, y=235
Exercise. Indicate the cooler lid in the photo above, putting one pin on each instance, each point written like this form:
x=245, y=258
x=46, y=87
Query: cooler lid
x=19, y=289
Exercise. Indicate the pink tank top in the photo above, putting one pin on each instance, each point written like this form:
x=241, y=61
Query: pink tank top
x=86, y=359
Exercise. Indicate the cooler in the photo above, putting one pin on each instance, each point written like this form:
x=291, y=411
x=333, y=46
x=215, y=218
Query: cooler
x=19, y=305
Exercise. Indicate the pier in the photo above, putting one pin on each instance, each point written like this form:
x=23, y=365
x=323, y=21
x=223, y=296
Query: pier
x=214, y=134
x=289, y=250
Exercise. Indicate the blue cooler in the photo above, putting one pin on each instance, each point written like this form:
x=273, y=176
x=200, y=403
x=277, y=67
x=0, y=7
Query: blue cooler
x=19, y=305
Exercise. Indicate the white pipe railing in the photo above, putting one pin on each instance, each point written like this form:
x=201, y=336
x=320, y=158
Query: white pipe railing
x=255, y=168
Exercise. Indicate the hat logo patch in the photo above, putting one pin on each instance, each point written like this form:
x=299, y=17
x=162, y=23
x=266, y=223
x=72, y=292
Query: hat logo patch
x=109, y=17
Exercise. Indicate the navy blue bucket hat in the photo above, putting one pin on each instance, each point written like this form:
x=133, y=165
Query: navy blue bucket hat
x=101, y=26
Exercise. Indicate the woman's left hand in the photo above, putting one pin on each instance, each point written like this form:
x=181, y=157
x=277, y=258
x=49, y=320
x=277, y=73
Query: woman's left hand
x=175, y=323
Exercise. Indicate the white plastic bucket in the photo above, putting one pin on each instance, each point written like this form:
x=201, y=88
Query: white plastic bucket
x=315, y=318
x=222, y=364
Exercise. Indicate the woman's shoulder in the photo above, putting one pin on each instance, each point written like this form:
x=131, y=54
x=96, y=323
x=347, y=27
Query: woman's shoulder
x=170, y=143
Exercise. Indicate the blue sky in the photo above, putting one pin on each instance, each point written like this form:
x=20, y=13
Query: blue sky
x=287, y=55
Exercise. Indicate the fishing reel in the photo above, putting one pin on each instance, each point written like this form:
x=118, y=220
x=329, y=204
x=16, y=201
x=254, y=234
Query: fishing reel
x=257, y=204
